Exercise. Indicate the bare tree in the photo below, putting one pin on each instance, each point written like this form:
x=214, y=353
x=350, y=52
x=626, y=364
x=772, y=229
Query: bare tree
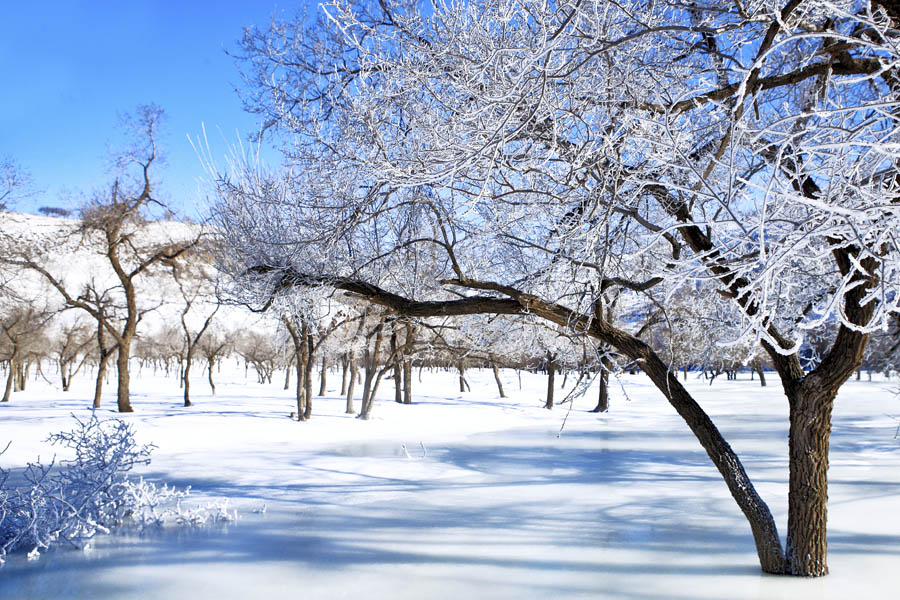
x=195, y=284
x=214, y=346
x=115, y=222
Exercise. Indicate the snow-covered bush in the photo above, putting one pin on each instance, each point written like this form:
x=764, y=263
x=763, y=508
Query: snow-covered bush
x=70, y=501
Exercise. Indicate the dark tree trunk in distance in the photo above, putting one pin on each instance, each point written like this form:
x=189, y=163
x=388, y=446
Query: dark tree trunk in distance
x=603, y=396
x=351, y=384
x=497, y=379
x=551, y=376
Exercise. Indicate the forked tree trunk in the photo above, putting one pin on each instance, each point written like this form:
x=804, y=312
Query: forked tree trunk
x=19, y=381
x=371, y=370
x=762, y=524
x=102, y=365
x=762, y=374
x=186, y=378
x=300, y=388
x=463, y=384
x=765, y=533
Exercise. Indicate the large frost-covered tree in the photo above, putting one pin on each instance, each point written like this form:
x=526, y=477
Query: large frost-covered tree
x=544, y=157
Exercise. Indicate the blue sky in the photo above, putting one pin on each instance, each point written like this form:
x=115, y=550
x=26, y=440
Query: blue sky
x=69, y=69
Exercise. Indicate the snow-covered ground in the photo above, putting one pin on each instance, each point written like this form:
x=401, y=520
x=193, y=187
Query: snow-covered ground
x=468, y=495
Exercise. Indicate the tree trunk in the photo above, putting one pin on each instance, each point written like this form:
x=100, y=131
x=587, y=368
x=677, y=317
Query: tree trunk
x=287, y=375
x=407, y=381
x=102, y=365
x=810, y=427
x=123, y=390
x=307, y=375
x=762, y=374
x=603, y=397
x=371, y=369
x=345, y=364
x=367, y=391
x=186, y=378
x=398, y=376
x=299, y=389
x=351, y=384
x=9, y=381
x=497, y=379
x=551, y=375
x=463, y=384
x=212, y=386
x=322, y=381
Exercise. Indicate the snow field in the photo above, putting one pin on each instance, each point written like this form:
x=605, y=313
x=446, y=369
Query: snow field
x=468, y=494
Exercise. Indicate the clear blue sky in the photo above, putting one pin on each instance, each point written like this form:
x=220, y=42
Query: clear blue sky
x=68, y=69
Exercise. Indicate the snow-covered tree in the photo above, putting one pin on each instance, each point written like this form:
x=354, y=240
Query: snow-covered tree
x=550, y=158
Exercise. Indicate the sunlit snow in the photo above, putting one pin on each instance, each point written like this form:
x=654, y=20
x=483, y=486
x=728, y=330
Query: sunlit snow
x=467, y=495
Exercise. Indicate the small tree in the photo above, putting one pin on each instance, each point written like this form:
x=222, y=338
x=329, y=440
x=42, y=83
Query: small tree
x=195, y=283
x=72, y=344
x=214, y=346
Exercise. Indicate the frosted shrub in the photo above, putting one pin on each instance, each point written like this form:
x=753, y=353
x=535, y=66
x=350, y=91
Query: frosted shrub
x=70, y=501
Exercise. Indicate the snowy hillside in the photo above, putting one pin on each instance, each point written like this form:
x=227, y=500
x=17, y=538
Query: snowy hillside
x=76, y=259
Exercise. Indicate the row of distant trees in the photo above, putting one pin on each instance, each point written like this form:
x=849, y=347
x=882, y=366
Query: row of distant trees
x=136, y=253
x=596, y=166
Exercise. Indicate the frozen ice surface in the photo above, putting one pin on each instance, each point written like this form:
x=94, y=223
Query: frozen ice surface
x=624, y=505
